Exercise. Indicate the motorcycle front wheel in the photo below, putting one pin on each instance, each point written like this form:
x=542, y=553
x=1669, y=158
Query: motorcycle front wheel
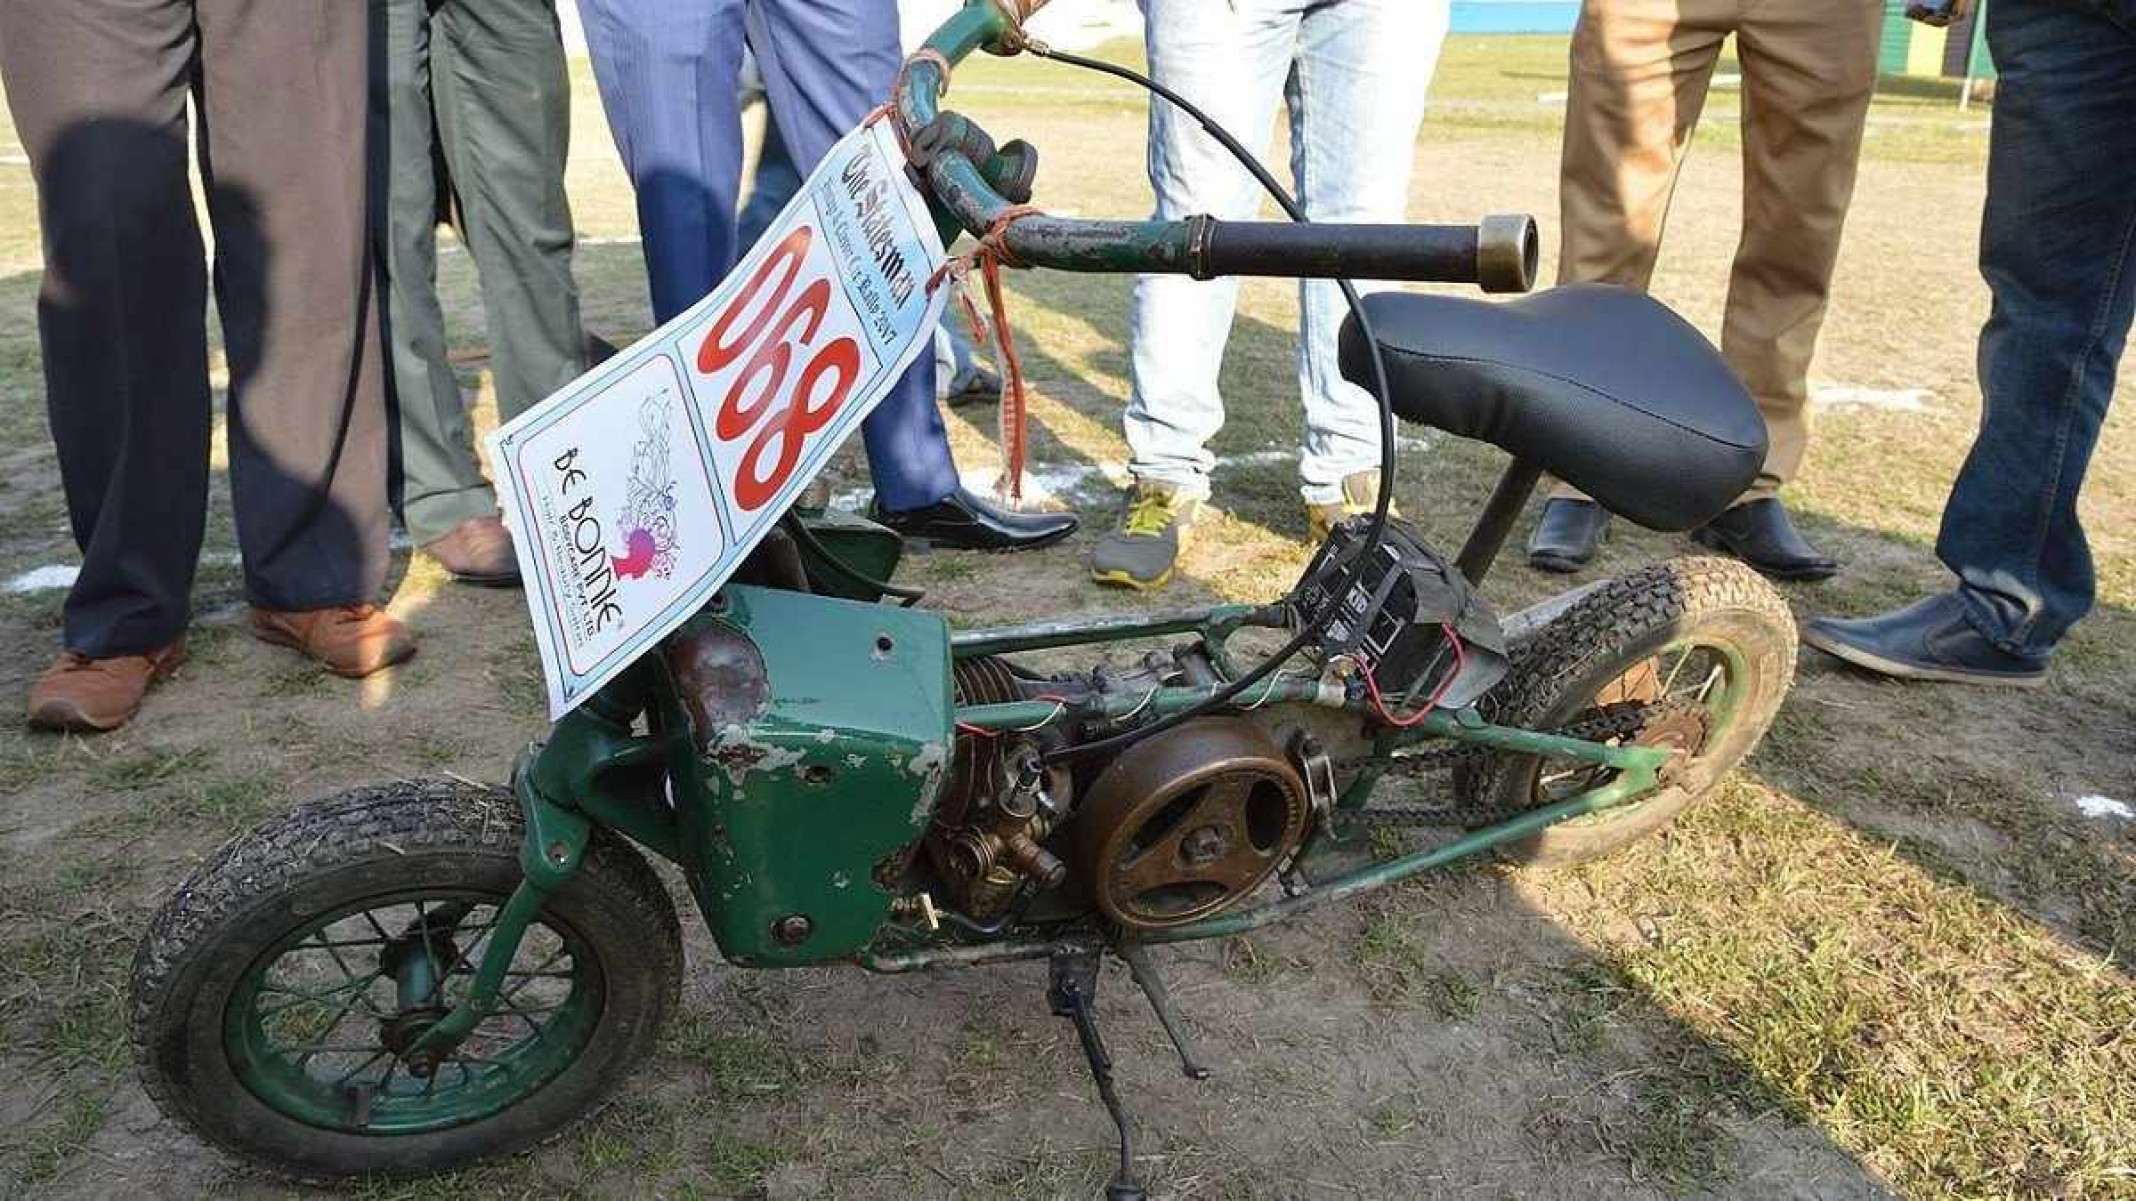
x=277, y=994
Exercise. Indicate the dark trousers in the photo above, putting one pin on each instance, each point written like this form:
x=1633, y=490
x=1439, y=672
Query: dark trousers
x=98, y=89
x=670, y=73
x=2058, y=248
x=487, y=77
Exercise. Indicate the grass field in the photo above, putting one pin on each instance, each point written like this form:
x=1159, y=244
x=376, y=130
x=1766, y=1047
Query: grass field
x=1887, y=959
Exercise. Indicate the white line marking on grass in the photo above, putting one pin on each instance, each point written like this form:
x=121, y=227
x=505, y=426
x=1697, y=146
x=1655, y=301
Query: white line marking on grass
x=44, y=579
x=54, y=576
x=1044, y=482
x=1893, y=400
x=2095, y=805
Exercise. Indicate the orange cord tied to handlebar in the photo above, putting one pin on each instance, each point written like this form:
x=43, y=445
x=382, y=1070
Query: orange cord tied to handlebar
x=989, y=257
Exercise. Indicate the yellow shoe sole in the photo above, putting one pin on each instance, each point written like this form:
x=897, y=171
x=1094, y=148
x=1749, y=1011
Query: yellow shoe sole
x=1124, y=580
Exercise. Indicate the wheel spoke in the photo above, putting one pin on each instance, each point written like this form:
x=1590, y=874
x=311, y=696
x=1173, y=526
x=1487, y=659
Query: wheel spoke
x=1669, y=682
x=336, y=956
x=341, y=1014
x=523, y=1015
x=353, y=1072
x=372, y=918
x=309, y=998
x=461, y=964
x=1712, y=677
x=540, y=972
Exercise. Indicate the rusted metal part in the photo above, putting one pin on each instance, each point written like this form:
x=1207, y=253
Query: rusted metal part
x=1188, y=822
x=985, y=954
x=985, y=843
x=720, y=677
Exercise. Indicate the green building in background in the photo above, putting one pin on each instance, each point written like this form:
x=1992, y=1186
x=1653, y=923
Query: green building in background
x=1956, y=52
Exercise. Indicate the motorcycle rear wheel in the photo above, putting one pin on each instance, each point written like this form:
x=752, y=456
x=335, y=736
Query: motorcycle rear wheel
x=268, y=989
x=1706, y=643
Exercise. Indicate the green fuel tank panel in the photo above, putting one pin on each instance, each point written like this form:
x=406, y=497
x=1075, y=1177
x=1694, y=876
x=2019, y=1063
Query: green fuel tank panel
x=822, y=731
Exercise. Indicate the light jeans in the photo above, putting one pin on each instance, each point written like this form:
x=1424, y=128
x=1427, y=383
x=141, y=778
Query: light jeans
x=1352, y=75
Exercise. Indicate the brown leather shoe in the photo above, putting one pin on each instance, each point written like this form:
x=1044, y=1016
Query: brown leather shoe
x=350, y=640
x=477, y=551
x=91, y=696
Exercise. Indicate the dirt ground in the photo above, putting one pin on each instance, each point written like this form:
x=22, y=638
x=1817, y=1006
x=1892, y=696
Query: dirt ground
x=1886, y=959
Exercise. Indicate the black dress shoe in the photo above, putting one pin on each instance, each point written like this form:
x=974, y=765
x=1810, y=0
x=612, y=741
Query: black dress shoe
x=967, y=521
x=1759, y=533
x=1567, y=535
x=1926, y=640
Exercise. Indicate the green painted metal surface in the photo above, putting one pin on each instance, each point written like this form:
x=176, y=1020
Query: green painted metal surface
x=794, y=818
x=862, y=545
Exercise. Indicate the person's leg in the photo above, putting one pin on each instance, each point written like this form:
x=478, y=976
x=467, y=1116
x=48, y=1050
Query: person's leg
x=1808, y=72
x=668, y=71
x=504, y=116
x=1639, y=74
x=282, y=90
x=776, y=182
x=1356, y=98
x=2058, y=249
x=1230, y=60
x=440, y=485
x=826, y=65
x=98, y=92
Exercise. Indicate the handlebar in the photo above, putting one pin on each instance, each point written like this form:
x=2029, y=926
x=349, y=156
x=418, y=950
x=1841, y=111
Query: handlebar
x=1499, y=254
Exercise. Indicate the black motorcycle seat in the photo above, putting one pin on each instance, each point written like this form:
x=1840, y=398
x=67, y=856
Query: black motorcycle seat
x=1601, y=386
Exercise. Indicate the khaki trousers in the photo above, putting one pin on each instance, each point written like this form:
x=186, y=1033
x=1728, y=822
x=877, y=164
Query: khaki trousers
x=1640, y=71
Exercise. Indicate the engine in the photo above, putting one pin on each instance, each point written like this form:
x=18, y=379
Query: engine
x=1192, y=819
x=1171, y=830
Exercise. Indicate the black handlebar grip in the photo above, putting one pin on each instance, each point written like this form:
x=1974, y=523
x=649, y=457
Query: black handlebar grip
x=1013, y=170
x=1499, y=254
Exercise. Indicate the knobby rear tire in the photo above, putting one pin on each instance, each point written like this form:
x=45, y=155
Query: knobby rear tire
x=1560, y=668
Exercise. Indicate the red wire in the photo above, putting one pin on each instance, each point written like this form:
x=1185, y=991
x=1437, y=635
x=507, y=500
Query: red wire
x=1379, y=703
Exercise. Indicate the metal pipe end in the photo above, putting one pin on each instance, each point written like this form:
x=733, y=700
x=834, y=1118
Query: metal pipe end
x=1508, y=250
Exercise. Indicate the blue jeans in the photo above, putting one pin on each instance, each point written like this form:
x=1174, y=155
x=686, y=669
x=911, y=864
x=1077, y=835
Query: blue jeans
x=1352, y=75
x=2058, y=249
x=669, y=71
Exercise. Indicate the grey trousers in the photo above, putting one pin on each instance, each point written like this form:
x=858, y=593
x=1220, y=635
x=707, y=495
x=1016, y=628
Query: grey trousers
x=98, y=90
x=479, y=86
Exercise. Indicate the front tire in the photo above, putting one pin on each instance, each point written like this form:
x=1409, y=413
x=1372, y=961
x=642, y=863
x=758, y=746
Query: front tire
x=1706, y=644
x=269, y=987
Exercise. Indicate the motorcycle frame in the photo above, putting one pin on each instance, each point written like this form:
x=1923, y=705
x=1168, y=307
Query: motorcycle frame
x=590, y=773
x=591, y=769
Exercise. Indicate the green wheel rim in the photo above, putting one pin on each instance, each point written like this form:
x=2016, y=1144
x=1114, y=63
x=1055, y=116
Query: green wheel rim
x=1711, y=673
x=304, y=1027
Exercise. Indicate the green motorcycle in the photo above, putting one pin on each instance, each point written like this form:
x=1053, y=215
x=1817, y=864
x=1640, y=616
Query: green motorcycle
x=413, y=976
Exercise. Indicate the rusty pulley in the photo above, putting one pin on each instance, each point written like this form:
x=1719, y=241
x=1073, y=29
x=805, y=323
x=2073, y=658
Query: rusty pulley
x=1189, y=821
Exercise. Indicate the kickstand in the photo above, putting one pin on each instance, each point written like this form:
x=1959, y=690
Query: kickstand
x=1071, y=990
x=1144, y=970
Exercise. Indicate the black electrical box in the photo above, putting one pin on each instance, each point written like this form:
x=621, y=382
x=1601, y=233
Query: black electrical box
x=1389, y=608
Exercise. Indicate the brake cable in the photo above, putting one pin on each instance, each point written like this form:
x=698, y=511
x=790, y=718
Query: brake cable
x=1381, y=395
